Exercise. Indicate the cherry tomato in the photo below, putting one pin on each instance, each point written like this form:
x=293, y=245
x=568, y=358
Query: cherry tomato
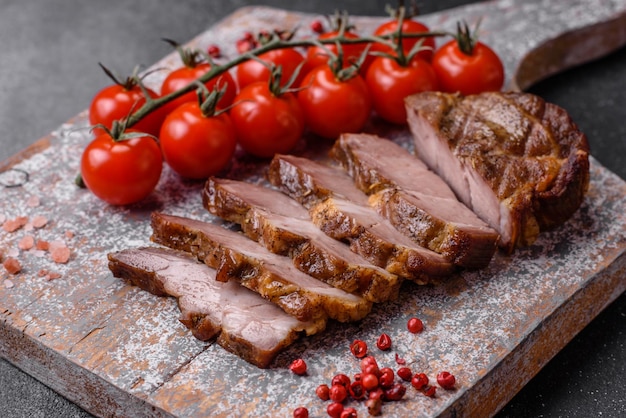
x=121, y=171
x=118, y=101
x=317, y=56
x=468, y=73
x=182, y=76
x=390, y=82
x=408, y=26
x=288, y=59
x=195, y=145
x=266, y=123
x=332, y=106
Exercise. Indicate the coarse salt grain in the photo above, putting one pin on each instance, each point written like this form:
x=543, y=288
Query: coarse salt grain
x=8, y=284
x=12, y=225
x=60, y=255
x=26, y=243
x=53, y=276
x=69, y=234
x=2, y=218
x=32, y=201
x=42, y=245
x=12, y=265
x=40, y=221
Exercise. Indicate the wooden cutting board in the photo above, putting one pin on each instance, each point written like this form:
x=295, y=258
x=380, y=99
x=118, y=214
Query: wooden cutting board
x=119, y=351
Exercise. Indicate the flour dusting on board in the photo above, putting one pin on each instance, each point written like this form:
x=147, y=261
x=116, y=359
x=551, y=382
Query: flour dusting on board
x=134, y=340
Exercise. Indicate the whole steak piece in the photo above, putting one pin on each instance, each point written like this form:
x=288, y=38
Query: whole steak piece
x=520, y=163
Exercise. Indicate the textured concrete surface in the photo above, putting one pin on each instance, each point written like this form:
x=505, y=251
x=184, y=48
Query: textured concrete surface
x=49, y=72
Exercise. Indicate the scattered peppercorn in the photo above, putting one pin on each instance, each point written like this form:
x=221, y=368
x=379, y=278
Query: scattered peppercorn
x=419, y=380
x=348, y=413
x=298, y=366
x=405, y=374
x=334, y=410
x=317, y=26
x=322, y=392
x=301, y=412
x=384, y=342
x=214, y=51
x=340, y=379
x=446, y=380
x=415, y=325
x=429, y=391
x=359, y=348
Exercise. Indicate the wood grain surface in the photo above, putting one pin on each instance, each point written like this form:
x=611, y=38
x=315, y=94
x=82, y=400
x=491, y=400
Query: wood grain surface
x=118, y=351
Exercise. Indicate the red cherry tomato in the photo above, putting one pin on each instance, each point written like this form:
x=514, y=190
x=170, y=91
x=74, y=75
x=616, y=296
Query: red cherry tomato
x=332, y=106
x=182, y=76
x=408, y=26
x=266, y=123
x=118, y=101
x=123, y=171
x=480, y=71
x=317, y=56
x=389, y=83
x=194, y=145
x=288, y=59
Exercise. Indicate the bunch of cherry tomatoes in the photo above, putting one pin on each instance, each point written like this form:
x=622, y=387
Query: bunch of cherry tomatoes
x=266, y=103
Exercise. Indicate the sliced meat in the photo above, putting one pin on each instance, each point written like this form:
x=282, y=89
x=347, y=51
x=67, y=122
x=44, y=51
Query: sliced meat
x=310, y=182
x=241, y=321
x=519, y=163
x=415, y=200
x=273, y=276
x=285, y=227
x=342, y=211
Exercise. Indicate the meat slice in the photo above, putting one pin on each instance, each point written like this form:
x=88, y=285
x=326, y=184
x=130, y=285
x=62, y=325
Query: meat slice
x=415, y=200
x=273, y=276
x=241, y=321
x=342, y=211
x=285, y=227
x=519, y=163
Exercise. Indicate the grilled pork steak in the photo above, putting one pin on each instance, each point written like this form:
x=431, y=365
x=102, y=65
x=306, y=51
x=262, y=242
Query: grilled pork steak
x=273, y=276
x=285, y=227
x=519, y=163
x=415, y=200
x=241, y=321
x=342, y=211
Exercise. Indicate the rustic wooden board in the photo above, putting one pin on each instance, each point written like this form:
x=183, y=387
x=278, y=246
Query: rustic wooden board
x=119, y=351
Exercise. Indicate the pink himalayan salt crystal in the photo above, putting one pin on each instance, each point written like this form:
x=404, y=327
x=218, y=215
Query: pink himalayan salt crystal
x=40, y=221
x=42, y=245
x=8, y=284
x=60, y=254
x=69, y=234
x=33, y=201
x=12, y=225
x=26, y=243
x=12, y=265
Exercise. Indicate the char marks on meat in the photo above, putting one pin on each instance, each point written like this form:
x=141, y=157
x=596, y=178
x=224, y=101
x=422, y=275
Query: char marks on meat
x=273, y=276
x=415, y=200
x=518, y=162
x=240, y=320
x=285, y=227
x=342, y=211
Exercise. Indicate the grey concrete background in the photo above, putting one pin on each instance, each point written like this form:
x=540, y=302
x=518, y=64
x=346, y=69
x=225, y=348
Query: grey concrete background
x=49, y=50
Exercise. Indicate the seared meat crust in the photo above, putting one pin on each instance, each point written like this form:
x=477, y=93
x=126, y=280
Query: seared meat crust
x=519, y=162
